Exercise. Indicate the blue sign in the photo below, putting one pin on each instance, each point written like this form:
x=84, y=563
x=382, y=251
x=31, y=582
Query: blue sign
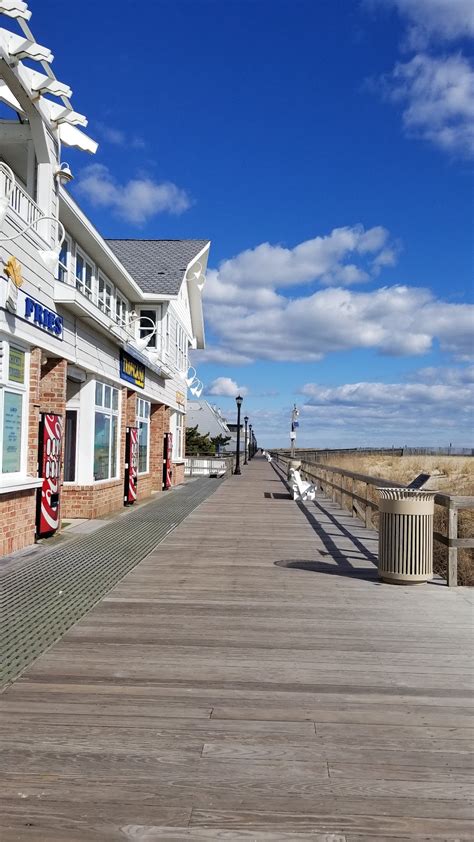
x=43, y=318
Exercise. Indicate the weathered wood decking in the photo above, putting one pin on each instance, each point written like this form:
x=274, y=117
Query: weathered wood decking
x=215, y=694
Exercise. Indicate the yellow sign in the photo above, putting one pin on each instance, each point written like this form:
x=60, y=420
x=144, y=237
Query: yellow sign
x=132, y=370
x=13, y=270
x=180, y=398
x=16, y=366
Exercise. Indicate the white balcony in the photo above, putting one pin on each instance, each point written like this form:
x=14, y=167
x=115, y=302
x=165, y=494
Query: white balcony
x=82, y=305
x=23, y=210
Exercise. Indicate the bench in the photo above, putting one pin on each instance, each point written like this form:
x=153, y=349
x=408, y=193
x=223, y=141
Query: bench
x=302, y=490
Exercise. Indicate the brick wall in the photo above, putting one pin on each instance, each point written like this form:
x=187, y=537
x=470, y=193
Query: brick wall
x=17, y=518
x=159, y=425
x=104, y=498
x=178, y=473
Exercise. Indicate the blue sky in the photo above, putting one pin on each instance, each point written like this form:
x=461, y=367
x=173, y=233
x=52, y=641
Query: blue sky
x=326, y=150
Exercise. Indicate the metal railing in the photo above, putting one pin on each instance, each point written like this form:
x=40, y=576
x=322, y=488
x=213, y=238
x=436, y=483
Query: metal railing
x=206, y=466
x=351, y=491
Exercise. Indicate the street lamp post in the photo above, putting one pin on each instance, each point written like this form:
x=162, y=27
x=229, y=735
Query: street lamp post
x=238, y=401
x=246, y=420
x=250, y=441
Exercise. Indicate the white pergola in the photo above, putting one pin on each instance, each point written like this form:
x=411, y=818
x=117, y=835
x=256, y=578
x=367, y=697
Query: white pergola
x=28, y=90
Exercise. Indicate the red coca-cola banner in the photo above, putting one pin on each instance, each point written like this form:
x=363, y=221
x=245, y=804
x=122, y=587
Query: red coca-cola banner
x=167, y=454
x=131, y=466
x=50, y=445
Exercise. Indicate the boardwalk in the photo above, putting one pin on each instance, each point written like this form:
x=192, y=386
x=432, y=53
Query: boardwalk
x=249, y=680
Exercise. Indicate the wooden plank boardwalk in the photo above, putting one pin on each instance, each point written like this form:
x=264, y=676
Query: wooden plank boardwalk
x=218, y=694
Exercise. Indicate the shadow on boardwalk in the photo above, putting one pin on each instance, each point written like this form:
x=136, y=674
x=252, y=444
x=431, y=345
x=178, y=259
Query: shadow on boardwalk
x=213, y=694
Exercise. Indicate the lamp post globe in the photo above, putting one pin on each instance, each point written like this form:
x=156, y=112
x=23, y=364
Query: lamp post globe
x=238, y=401
x=246, y=445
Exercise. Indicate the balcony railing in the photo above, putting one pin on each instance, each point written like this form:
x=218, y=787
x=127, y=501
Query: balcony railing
x=23, y=205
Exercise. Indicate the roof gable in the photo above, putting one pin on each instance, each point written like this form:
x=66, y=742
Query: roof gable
x=157, y=266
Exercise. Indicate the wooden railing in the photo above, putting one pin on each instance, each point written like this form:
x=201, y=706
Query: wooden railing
x=344, y=487
x=208, y=465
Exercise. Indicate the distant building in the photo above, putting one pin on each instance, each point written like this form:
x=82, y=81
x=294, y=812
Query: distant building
x=209, y=421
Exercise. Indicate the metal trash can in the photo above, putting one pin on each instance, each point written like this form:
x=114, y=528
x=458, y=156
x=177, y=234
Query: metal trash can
x=406, y=535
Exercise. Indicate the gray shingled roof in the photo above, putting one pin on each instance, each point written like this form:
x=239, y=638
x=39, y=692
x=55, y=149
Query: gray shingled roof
x=158, y=266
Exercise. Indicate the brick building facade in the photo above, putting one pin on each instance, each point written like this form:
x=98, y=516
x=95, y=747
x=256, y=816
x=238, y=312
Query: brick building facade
x=94, y=335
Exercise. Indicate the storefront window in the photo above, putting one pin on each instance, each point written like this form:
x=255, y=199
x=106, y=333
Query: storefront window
x=12, y=412
x=105, y=431
x=143, y=423
x=177, y=430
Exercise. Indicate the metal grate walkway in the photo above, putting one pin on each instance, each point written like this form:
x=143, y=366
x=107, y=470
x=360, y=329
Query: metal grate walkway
x=44, y=598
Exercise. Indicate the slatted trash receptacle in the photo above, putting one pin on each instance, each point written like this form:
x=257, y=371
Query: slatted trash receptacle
x=406, y=535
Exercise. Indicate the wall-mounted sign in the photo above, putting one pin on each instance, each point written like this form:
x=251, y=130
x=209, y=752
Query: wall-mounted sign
x=131, y=370
x=11, y=460
x=41, y=317
x=180, y=398
x=16, y=365
x=15, y=280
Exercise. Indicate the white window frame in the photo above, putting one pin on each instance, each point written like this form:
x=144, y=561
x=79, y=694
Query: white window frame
x=155, y=342
x=181, y=344
x=64, y=268
x=143, y=419
x=109, y=310
x=121, y=309
x=110, y=412
x=11, y=387
x=81, y=285
x=178, y=436
x=168, y=333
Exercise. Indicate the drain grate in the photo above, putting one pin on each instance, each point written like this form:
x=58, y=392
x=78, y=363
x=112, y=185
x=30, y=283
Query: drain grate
x=45, y=597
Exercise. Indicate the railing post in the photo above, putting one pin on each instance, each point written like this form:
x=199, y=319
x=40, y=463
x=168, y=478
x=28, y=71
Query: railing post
x=353, y=511
x=368, y=508
x=452, y=551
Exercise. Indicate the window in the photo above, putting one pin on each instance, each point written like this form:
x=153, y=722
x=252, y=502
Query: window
x=181, y=351
x=84, y=275
x=70, y=446
x=12, y=413
x=105, y=296
x=105, y=431
x=143, y=423
x=121, y=308
x=178, y=438
x=64, y=257
x=145, y=328
x=168, y=334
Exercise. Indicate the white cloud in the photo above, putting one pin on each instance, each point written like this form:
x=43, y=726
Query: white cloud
x=387, y=394
x=219, y=355
x=438, y=98
x=136, y=201
x=254, y=320
x=435, y=20
x=226, y=387
x=328, y=259
x=118, y=137
x=369, y=412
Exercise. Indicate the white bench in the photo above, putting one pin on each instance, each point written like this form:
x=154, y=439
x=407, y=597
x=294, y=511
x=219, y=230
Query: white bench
x=302, y=490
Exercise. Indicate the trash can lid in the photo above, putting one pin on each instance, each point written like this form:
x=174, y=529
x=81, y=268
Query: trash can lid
x=405, y=494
